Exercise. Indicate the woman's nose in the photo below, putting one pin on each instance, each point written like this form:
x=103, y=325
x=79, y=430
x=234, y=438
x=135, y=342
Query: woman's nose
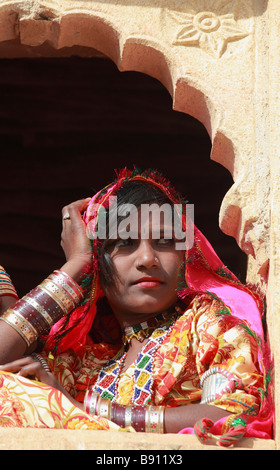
x=146, y=256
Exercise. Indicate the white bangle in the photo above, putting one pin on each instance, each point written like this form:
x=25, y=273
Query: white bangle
x=215, y=382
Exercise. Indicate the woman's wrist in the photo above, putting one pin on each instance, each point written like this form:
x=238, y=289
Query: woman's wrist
x=76, y=266
x=142, y=418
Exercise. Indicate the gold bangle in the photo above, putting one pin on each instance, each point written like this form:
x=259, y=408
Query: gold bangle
x=128, y=416
x=147, y=419
x=55, y=298
x=71, y=281
x=21, y=325
x=59, y=281
x=30, y=300
x=154, y=419
x=59, y=294
x=7, y=289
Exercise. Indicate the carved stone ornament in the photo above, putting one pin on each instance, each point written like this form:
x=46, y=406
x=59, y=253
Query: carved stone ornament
x=209, y=24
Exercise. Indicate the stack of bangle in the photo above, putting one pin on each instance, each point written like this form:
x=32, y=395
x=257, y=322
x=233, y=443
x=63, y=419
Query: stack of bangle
x=142, y=418
x=6, y=285
x=39, y=310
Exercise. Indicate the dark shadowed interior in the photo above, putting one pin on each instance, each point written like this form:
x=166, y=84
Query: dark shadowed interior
x=65, y=125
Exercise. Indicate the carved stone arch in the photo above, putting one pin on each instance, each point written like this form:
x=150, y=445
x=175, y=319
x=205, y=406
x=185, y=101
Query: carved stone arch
x=223, y=82
x=182, y=60
x=200, y=52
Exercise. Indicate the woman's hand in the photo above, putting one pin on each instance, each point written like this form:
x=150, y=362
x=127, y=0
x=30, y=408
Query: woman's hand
x=31, y=368
x=74, y=239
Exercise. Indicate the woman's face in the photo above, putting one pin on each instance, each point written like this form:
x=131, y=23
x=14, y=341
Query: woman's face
x=147, y=271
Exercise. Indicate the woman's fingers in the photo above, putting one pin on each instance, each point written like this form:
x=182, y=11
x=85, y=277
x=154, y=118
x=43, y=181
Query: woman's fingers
x=34, y=369
x=74, y=210
x=16, y=365
x=27, y=367
x=74, y=239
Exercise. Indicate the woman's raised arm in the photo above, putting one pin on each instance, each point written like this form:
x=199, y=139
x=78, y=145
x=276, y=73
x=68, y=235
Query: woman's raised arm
x=24, y=320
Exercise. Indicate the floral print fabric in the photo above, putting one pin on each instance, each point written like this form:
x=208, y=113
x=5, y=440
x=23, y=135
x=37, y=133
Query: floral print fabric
x=27, y=403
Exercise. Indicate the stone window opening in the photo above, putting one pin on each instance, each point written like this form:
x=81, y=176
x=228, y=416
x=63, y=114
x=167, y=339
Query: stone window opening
x=236, y=219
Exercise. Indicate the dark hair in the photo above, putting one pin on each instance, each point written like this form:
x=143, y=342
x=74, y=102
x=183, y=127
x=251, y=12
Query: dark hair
x=132, y=192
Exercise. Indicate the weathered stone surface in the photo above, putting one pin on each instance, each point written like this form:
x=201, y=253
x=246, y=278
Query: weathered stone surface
x=57, y=439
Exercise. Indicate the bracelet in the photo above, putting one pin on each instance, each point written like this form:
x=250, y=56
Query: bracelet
x=22, y=326
x=39, y=358
x=59, y=279
x=39, y=310
x=155, y=419
x=72, y=285
x=215, y=382
x=104, y=408
x=90, y=402
x=138, y=418
x=6, y=285
x=128, y=416
x=29, y=313
x=142, y=418
x=118, y=414
x=57, y=295
x=53, y=309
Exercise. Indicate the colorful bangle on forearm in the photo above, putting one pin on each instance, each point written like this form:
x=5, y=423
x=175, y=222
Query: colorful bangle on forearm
x=142, y=418
x=22, y=326
x=6, y=286
x=65, y=282
x=39, y=310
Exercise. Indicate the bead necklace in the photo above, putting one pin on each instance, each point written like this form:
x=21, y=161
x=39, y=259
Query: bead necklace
x=108, y=378
x=143, y=330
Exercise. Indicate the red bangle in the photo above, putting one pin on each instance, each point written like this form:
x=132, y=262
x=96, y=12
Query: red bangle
x=39, y=310
x=118, y=414
x=138, y=421
x=137, y=416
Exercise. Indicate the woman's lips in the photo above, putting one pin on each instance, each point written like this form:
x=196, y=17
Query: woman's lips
x=148, y=282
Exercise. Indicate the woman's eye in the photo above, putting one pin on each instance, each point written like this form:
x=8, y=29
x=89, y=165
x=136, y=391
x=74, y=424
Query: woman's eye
x=165, y=241
x=123, y=242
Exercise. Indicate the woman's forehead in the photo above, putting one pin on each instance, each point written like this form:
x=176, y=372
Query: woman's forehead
x=145, y=219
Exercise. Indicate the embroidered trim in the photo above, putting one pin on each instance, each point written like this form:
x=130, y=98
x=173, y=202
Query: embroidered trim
x=143, y=330
x=108, y=378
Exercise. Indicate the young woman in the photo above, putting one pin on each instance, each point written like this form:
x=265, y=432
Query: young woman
x=137, y=330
